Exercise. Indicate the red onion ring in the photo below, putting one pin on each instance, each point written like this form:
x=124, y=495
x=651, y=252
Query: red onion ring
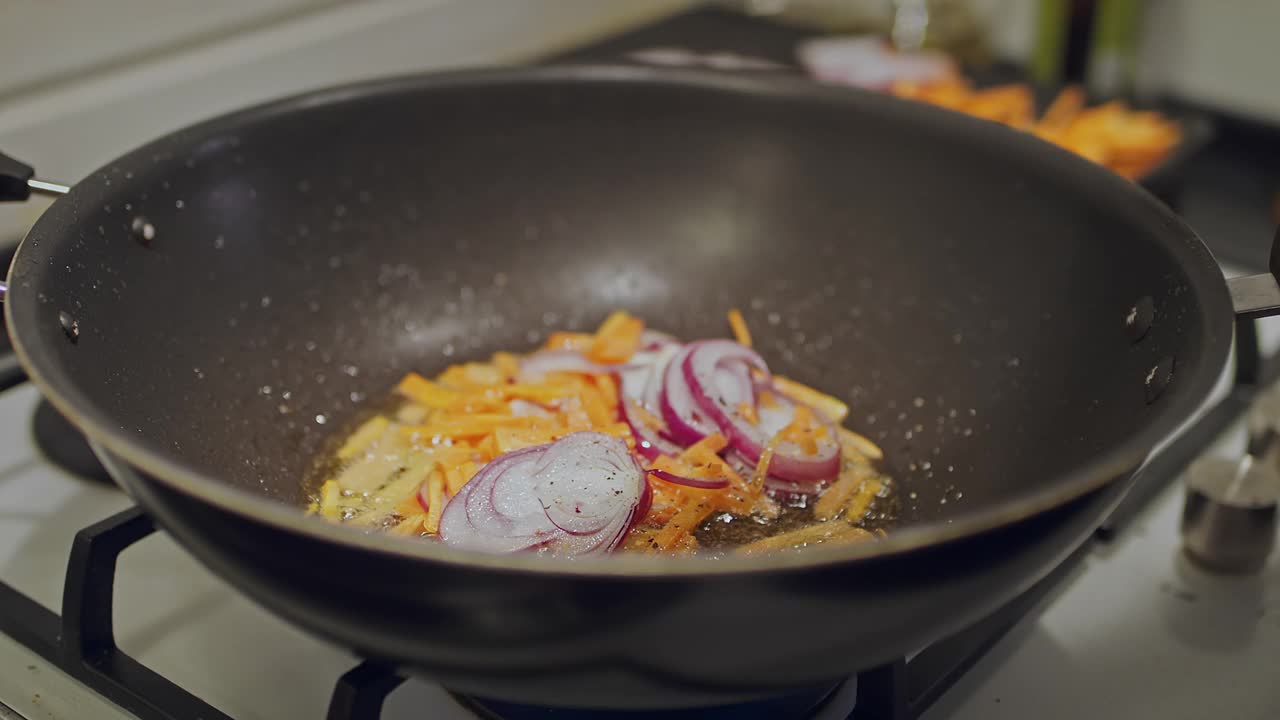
x=656, y=340
x=714, y=371
x=574, y=496
x=649, y=442
x=686, y=421
x=699, y=483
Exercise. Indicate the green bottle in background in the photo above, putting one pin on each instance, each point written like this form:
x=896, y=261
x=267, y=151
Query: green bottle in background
x=1091, y=42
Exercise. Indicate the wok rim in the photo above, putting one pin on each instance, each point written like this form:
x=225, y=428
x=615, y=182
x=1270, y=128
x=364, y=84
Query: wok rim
x=1203, y=273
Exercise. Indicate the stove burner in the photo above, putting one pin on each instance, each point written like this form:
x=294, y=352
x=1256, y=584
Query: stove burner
x=64, y=446
x=795, y=706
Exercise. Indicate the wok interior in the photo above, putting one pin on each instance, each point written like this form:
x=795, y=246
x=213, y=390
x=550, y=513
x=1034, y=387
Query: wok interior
x=963, y=290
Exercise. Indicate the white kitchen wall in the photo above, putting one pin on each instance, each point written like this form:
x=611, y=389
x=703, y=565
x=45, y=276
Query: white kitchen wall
x=1223, y=53
x=67, y=128
x=43, y=40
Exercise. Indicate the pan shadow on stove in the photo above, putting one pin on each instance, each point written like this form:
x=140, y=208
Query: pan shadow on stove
x=64, y=445
x=964, y=700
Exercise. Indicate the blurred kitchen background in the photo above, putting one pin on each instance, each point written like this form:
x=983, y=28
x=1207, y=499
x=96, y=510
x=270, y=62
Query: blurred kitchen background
x=82, y=81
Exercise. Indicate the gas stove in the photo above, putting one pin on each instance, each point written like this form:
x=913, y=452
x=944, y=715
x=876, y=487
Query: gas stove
x=1126, y=627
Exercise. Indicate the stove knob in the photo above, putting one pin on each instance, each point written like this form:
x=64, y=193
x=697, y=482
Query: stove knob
x=1229, y=520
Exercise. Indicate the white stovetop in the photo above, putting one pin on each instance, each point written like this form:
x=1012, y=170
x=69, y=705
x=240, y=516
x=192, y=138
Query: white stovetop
x=1135, y=634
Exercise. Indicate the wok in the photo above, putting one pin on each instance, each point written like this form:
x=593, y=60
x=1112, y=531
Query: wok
x=1015, y=326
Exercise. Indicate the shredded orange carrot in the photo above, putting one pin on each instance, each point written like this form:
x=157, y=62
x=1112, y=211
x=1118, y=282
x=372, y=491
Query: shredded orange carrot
x=768, y=400
x=802, y=430
x=859, y=503
x=435, y=501
x=739, y=326
x=608, y=389
x=684, y=469
x=685, y=521
x=852, y=442
x=620, y=430
x=748, y=413
x=576, y=341
x=834, y=498
x=468, y=425
x=487, y=449
x=507, y=364
x=647, y=418
x=829, y=407
x=762, y=466
x=713, y=444
x=409, y=506
x=514, y=438
x=453, y=480
x=411, y=525
x=425, y=392
x=816, y=534
x=617, y=339
x=597, y=410
x=548, y=392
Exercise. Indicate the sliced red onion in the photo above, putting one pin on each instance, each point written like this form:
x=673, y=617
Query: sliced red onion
x=686, y=422
x=700, y=483
x=581, y=479
x=643, y=507
x=715, y=372
x=656, y=340
x=471, y=518
x=574, y=496
x=649, y=442
x=635, y=376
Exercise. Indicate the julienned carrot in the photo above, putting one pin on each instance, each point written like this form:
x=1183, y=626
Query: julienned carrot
x=829, y=407
x=694, y=511
x=638, y=412
x=411, y=525
x=608, y=389
x=410, y=505
x=424, y=392
x=371, y=430
x=739, y=326
x=816, y=534
x=330, y=496
x=709, y=445
x=507, y=364
x=762, y=466
x=852, y=441
x=594, y=403
x=617, y=339
x=859, y=503
x=435, y=501
x=834, y=499
x=468, y=425
x=576, y=341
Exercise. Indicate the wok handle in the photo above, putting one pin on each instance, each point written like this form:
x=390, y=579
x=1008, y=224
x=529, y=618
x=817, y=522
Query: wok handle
x=1258, y=296
x=18, y=181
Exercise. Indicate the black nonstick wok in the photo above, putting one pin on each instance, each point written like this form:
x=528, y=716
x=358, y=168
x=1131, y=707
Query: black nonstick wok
x=1015, y=326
